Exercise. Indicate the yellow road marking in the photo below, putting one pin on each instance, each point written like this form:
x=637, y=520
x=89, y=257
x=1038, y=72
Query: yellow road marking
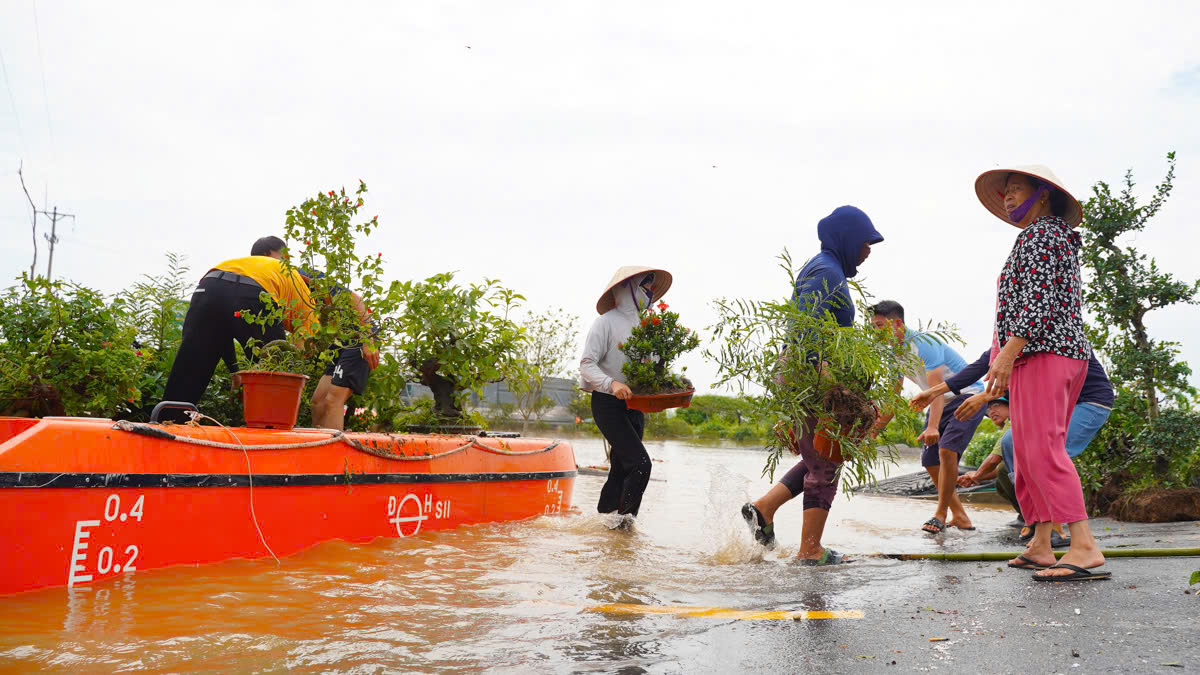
x=724, y=613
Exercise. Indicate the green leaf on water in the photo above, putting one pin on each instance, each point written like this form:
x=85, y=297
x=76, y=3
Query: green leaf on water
x=1195, y=578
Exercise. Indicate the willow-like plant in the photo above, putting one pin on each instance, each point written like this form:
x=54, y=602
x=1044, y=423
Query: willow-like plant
x=798, y=366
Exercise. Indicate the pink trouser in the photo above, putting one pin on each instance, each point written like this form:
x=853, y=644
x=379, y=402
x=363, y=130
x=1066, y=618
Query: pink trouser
x=1043, y=390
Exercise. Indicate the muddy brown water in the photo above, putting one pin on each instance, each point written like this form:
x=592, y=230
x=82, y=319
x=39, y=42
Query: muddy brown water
x=516, y=597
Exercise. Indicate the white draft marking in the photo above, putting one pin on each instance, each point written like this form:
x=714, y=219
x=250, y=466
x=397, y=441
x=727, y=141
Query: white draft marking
x=79, y=553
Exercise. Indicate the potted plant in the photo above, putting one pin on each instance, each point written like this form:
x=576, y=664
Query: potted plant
x=455, y=339
x=347, y=294
x=656, y=341
x=272, y=385
x=807, y=371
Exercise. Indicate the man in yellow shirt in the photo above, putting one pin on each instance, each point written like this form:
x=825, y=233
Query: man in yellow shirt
x=347, y=374
x=214, y=320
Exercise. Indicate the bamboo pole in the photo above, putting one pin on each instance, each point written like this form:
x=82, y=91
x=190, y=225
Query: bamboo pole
x=1108, y=553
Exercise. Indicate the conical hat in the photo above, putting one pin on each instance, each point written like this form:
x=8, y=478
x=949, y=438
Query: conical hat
x=662, y=282
x=989, y=187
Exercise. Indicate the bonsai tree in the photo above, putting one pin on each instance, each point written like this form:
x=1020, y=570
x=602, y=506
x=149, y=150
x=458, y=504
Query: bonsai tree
x=456, y=339
x=655, y=342
x=796, y=366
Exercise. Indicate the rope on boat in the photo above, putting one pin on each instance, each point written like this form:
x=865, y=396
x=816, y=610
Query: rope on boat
x=335, y=437
x=1107, y=553
x=196, y=415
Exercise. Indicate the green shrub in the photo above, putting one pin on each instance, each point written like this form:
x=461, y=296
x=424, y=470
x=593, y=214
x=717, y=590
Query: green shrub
x=65, y=350
x=713, y=428
x=663, y=426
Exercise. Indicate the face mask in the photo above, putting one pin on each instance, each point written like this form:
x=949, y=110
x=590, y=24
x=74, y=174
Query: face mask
x=1018, y=213
x=641, y=299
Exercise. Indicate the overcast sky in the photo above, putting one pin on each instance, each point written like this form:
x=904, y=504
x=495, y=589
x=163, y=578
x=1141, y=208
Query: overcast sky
x=545, y=144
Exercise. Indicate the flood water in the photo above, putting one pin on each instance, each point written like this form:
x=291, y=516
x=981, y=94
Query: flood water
x=508, y=597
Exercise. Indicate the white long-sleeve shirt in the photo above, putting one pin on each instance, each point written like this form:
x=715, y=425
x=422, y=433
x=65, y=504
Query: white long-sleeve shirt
x=601, y=362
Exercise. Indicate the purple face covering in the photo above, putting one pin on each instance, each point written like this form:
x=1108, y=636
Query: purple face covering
x=1018, y=213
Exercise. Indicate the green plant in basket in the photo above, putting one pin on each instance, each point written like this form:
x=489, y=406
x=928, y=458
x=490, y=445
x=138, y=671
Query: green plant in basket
x=656, y=341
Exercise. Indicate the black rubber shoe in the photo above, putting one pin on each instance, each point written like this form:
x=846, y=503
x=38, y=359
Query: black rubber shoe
x=764, y=532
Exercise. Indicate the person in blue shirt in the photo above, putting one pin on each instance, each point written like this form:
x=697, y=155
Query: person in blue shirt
x=945, y=437
x=846, y=237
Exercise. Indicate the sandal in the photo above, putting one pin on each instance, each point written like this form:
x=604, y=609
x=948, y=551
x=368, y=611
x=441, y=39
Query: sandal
x=1077, y=574
x=828, y=557
x=937, y=525
x=1027, y=564
x=763, y=532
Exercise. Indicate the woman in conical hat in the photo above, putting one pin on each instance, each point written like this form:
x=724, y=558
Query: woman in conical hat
x=631, y=290
x=1040, y=355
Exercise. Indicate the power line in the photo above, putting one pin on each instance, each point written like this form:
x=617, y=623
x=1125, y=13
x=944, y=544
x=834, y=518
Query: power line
x=13, y=101
x=45, y=97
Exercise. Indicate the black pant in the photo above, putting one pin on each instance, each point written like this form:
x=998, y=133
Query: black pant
x=209, y=330
x=629, y=463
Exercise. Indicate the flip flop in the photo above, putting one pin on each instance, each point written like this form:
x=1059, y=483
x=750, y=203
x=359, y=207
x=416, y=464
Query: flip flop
x=1078, y=574
x=763, y=532
x=938, y=526
x=1027, y=564
x=828, y=557
x=965, y=529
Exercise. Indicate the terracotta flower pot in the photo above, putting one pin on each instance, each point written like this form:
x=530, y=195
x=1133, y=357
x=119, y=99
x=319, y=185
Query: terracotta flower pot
x=660, y=402
x=270, y=400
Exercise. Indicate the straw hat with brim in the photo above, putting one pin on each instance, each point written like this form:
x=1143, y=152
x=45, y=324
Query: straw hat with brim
x=989, y=187
x=662, y=282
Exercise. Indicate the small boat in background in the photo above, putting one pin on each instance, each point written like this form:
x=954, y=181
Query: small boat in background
x=920, y=486
x=84, y=499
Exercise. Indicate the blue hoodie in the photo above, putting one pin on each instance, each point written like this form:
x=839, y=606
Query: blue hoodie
x=842, y=234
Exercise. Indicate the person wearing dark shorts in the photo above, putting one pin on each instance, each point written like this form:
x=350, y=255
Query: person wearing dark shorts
x=944, y=438
x=821, y=288
x=347, y=374
x=214, y=320
x=954, y=434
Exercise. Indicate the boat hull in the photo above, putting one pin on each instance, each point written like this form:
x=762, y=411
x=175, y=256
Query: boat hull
x=84, y=502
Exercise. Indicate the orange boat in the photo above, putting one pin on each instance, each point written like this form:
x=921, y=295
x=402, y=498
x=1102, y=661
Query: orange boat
x=87, y=499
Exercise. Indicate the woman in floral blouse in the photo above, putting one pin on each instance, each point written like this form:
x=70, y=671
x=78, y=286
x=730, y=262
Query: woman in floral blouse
x=1040, y=354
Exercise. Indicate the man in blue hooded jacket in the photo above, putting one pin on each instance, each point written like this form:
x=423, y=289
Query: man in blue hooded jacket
x=821, y=286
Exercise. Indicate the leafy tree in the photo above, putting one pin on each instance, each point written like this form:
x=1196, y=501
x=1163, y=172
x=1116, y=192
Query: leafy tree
x=580, y=404
x=456, y=339
x=1125, y=286
x=546, y=351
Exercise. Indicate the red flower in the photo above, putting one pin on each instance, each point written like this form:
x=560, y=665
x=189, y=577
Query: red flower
x=380, y=255
x=138, y=353
x=314, y=212
x=655, y=320
x=331, y=193
x=106, y=344
x=620, y=345
x=645, y=322
x=237, y=315
x=662, y=306
x=307, y=242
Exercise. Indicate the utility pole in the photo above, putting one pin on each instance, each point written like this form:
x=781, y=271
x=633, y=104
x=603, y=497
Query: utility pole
x=52, y=238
